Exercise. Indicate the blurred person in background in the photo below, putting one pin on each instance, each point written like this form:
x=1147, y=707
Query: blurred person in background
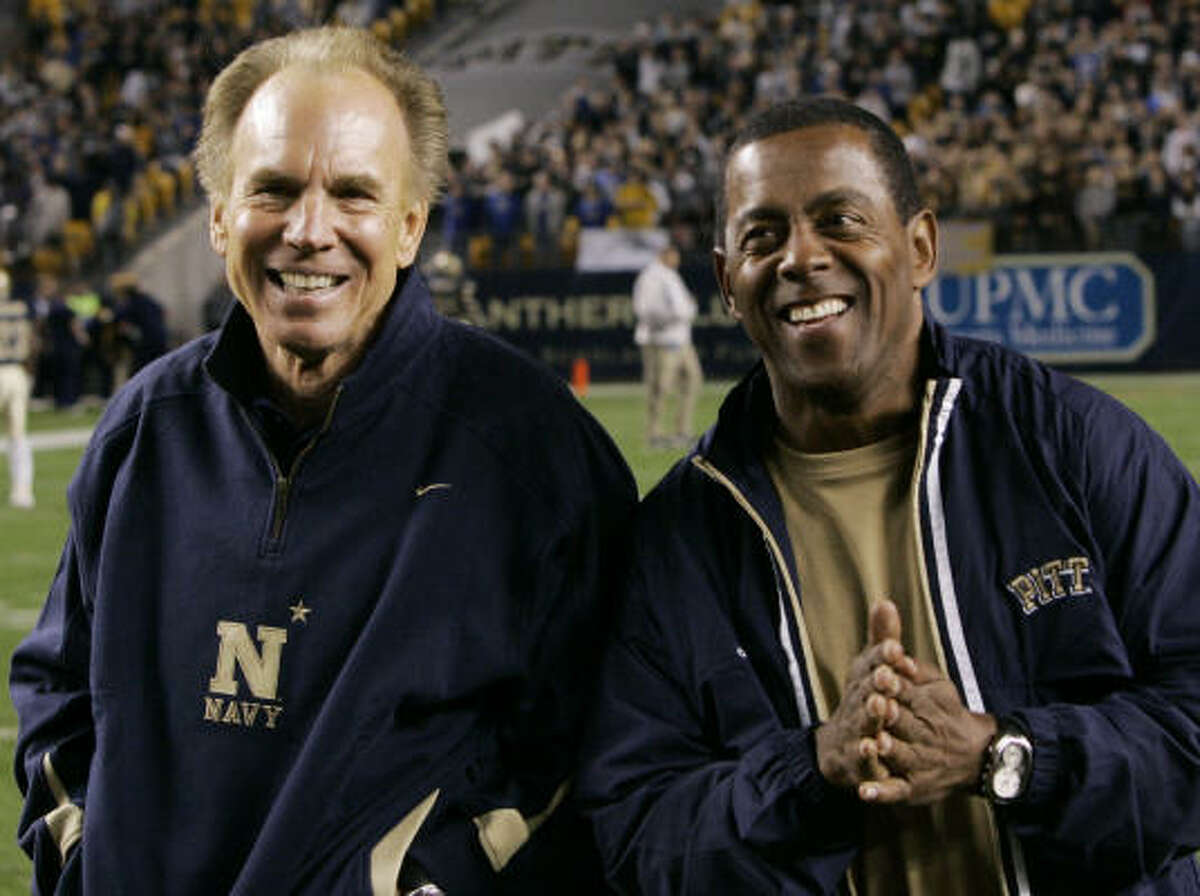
x=17, y=353
x=1095, y=203
x=502, y=214
x=326, y=613
x=1185, y=211
x=634, y=202
x=593, y=207
x=457, y=215
x=545, y=212
x=65, y=339
x=664, y=309
x=141, y=329
x=452, y=290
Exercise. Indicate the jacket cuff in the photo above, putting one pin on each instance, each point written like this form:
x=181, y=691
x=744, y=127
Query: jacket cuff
x=1044, y=787
x=793, y=799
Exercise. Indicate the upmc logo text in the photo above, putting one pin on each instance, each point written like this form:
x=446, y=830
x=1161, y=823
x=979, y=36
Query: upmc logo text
x=1087, y=307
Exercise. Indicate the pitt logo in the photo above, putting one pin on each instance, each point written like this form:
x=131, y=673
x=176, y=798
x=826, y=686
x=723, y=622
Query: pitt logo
x=260, y=669
x=1053, y=580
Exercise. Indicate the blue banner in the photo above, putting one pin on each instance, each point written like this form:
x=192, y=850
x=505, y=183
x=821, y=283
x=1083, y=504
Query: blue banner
x=1078, y=309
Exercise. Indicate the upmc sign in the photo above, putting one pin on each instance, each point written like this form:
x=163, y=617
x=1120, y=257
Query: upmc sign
x=1065, y=308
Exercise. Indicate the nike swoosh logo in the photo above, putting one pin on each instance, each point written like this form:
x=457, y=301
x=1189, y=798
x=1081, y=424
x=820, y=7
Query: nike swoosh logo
x=433, y=486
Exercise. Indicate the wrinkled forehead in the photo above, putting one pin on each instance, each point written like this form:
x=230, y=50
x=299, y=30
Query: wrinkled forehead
x=299, y=92
x=302, y=114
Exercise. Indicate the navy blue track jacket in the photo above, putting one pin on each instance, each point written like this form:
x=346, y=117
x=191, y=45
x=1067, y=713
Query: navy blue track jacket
x=245, y=677
x=1061, y=545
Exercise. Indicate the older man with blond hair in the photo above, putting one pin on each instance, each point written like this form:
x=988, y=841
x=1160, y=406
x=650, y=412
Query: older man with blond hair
x=326, y=608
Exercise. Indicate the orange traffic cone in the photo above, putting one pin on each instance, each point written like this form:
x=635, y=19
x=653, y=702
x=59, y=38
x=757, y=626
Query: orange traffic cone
x=581, y=376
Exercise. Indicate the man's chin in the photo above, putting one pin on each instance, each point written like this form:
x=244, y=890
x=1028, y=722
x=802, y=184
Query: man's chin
x=308, y=342
x=301, y=352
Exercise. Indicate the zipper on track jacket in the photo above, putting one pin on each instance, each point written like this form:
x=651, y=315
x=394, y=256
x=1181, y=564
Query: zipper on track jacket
x=283, y=483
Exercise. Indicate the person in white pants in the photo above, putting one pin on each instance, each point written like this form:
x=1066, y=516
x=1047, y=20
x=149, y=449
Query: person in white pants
x=16, y=353
x=665, y=308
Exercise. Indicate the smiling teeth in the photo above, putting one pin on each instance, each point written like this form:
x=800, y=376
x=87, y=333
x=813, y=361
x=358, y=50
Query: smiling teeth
x=307, y=281
x=799, y=314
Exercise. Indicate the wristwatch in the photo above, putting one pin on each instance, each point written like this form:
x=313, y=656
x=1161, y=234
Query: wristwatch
x=1007, y=763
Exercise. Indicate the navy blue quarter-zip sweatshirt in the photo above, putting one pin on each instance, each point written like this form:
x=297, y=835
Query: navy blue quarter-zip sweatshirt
x=247, y=675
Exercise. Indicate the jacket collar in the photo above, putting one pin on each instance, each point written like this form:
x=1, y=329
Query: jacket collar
x=745, y=425
x=407, y=328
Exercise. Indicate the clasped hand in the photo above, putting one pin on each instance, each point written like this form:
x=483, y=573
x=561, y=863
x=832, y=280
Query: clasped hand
x=901, y=733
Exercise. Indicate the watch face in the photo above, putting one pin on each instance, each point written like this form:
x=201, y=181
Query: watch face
x=1012, y=756
x=1006, y=782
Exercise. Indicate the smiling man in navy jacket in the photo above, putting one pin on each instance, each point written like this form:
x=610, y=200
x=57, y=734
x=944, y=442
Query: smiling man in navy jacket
x=918, y=615
x=327, y=604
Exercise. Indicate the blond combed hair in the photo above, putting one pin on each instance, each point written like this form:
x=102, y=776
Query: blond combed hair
x=328, y=49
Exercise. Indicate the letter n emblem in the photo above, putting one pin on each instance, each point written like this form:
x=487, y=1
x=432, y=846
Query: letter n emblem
x=261, y=670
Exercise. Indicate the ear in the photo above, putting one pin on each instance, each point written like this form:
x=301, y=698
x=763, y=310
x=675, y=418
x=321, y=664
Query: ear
x=217, y=237
x=412, y=228
x=923, y=247
x=719, y=269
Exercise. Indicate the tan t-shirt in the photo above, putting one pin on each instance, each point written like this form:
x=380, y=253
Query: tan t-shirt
x=850, y=518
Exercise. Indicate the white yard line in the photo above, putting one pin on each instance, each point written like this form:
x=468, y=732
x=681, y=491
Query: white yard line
x=58, y=438
x=18, y=619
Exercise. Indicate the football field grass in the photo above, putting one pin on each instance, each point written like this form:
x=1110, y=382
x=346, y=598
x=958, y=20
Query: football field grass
x=30, y=540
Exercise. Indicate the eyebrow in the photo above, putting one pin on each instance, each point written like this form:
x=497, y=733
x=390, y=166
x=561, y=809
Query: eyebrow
x=840, y=196
x=273, y=178
x=768, y=211
x=269, y=177
x=357, y=183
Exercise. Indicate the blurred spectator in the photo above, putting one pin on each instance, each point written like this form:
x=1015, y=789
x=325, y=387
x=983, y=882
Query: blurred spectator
x=635, y=203
x=593, y=208
x=48, y=209
x=65, y=338
x=1185, y=212
x=1156, y=232
x=963, y=67
x=545, y=212
x=665, y=308
x=16, y=362
x=1095, y=203
x=1181, y=144
x=453, y=291
x=140, y=327
x=502, y=211
x=456, y=216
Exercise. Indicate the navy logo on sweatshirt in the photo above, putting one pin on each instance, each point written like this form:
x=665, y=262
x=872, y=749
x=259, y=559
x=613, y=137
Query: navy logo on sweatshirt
x=1053, y=580
x=259, y=667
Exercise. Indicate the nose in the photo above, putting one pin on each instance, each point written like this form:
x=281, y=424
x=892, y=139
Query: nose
x=310, y=223
x=805, y=253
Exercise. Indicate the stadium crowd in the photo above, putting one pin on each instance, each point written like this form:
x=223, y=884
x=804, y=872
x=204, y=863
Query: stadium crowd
x=1069, y=124
x=100, y=108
